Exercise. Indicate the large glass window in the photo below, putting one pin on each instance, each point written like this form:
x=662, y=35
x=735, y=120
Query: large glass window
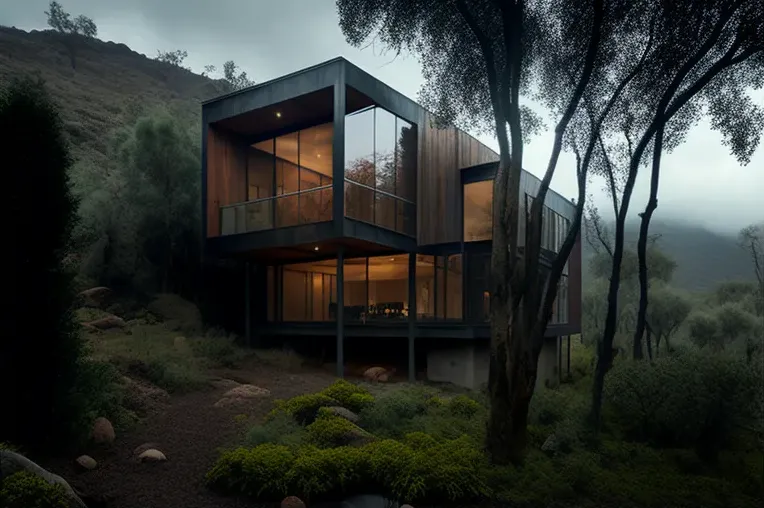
x=478, y=211
x=288, y=182
x=309, y=291
x=388, y=287
x=380, y=169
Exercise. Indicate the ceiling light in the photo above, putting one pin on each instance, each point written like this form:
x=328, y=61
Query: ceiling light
x=392, y=259
x=278, y=114
x=315, y=248
x=318, y=155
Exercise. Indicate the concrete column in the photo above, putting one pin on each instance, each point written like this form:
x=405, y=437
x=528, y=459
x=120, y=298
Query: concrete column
x=341, y=312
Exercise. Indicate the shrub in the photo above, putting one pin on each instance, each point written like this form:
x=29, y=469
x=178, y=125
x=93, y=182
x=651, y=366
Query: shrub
x=349, y=395
x=303, y=408
x=689, y=399
x=27, y=490
x=328, y=472
x=391, y=413
x=329, y=430
x=464, y=407
x=280, y=429
x=259, y=472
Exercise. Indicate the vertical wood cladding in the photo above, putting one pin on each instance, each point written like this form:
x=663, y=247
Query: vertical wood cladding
x=443, y=153
x=226, y=176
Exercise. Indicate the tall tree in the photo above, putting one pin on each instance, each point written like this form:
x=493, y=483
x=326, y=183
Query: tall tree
x=236, y=77
x=61, y=22
x=477, y=58
x=40, y=348
x=707, y=53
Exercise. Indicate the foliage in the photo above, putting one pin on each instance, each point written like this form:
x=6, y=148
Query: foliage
x=27, y=490
x=690, y=399
x=303, y=408
x=47, y=402
x=349, y=395
x=260, y=472
x=235, y=77
x=61, y=21
x=175, y=57
x=329, y=430
x=280, y=429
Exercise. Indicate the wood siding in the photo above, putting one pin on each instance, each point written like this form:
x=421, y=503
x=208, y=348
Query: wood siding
x=442, y=155
x=226, y=169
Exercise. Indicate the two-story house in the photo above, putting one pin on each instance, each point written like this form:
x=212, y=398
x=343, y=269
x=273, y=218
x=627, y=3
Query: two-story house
x=360, y=220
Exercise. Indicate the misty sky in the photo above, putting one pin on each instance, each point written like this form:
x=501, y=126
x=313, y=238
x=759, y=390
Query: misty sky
x=701, y=183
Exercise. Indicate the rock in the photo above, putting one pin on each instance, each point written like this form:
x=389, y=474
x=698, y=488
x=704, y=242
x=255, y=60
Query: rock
x=143, y=397
x=550, y=445
x=292, y=502
x=152, y=455
x=177, y=313
x=224, y=383
x=103, y=431
x=241, y=393
x=86, y=462
x=406, y=506
x=344, y=413
x=12, y=462
x=144, y=447
x=94, y=297
x=107, y=323
x=378, y=374
x=368, y=501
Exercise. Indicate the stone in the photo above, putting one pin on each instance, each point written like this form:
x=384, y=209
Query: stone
x=94, y=297
x=12, y=462
x=107, y=323
x=240, y=394
x=143, y=397
x=292, y=502
x=152, y=455
x=103, y=431
x=406, y=506
x=224, y=383
x=344, y=413
x=86, y=462
x=144, y=447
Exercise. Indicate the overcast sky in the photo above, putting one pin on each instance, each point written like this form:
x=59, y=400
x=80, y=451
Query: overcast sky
x=701, y=183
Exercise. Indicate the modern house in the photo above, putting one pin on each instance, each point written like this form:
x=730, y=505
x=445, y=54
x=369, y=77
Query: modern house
x=361, y=221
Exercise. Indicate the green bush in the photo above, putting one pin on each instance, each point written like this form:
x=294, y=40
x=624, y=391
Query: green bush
x=391, y=413
x=303, y=408
x=259, y=472
x=683, y=400
x=329, y=430
x=349, y=395
x=27, y=490
x=280, y=429
x=329, y=472
x=464, y=407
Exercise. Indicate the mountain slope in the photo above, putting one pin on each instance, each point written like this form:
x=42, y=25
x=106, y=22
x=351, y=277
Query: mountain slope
x=109, y=86
x=704, y=258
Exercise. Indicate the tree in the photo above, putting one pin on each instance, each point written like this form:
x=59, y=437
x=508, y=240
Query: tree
x=706, y=55
x=61, y=22
x=751, y=240
x=175, y=58
x=477, y=58
x=208, y=70
x=667, y=312
x=235, y=77
x=41, y=349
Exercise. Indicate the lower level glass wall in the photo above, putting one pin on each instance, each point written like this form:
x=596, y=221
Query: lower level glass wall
x=375, y=289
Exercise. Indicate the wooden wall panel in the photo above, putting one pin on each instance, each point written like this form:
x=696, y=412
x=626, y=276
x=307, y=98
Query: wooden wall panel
x=442, y=155
x=226, y=176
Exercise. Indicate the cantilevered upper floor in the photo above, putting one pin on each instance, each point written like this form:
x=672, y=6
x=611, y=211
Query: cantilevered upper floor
x=330, y=157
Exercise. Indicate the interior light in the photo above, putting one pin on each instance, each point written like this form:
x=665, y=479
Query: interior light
x=318, y=155
x=278, y=114
x=392, y=259
x=315, y=248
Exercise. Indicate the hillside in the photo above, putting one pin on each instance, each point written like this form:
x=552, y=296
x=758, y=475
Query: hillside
x=109, y=86
x=704, y=258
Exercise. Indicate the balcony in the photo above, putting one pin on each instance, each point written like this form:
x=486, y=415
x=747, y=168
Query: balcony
x=290, y=209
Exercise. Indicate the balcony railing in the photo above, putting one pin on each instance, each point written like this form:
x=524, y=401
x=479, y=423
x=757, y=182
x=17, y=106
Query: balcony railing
x=291, y=209
x=379, y=208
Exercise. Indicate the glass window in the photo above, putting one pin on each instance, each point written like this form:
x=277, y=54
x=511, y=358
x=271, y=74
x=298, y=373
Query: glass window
x=271, y=296
x=355, y=289
x=309, y=291
x=454, y=287
x=388, y=287
x=384, y=150
x=478, y=211
x=260, y=171
x=425, y=286
x=316, y=151
x=359, y=147
x=406, y=160
x=441, y=288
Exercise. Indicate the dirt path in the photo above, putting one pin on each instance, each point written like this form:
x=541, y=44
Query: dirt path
x=190, y=432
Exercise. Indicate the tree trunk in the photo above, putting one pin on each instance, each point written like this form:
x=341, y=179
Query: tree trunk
x=649, y=343
x=644, y=228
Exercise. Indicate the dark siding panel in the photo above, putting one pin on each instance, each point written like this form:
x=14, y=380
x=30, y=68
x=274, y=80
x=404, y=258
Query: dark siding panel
x=226, y=176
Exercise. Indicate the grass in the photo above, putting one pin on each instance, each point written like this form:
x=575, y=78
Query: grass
x=162, y=357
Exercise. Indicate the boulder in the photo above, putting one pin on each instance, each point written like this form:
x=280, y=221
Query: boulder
x=107, y=323
x=12, y=462
x=86, y=462
x=103, y=431
x=241, y=394
x=95, y=297
x=144, y=447
x=143, y=397
x=292, y=502
x=152, y=455
x=378, y=374
x=344, y=413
